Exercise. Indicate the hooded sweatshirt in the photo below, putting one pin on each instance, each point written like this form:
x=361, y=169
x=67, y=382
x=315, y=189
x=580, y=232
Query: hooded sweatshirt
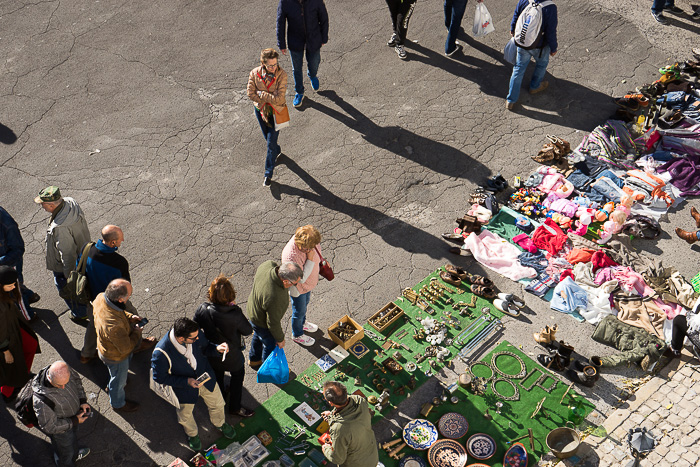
x=63, y=415
x=352, y=440
x=67, y=233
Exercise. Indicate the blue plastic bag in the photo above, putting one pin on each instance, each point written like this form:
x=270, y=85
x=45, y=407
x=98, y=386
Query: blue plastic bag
x=510, y=51
x=275, y=368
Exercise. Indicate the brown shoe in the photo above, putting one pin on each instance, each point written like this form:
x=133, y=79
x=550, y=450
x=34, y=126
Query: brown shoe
x=130, y=406
x=456, y=271
x=690, y=237
x=146, y=343
x=510, y=105
x=696, y=215
x=543, y=86
x=85, y=360
x=450, y=279
x=255, y=364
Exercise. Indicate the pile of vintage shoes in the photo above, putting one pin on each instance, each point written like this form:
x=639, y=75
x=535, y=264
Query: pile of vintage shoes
x=509, y=304
x=481, y=286
x=585, y=373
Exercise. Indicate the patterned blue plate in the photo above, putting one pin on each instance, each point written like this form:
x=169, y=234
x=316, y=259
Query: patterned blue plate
x=420, y=434
x=453, y=425
x=481, y=446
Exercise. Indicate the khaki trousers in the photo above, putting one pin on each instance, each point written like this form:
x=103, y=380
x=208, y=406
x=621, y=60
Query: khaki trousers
x=215, y=402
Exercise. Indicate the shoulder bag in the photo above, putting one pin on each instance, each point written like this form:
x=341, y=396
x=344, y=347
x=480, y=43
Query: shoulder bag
x=163, y=390
x=324, y=269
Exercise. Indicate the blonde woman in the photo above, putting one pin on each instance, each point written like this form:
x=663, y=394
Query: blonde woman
x=304, y=249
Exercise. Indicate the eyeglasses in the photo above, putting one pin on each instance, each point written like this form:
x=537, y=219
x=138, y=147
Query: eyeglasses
x=193, y=338
x=270, y=65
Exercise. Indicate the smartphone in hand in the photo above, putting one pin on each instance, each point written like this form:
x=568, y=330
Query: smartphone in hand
x=203, y=378
x=142, y=323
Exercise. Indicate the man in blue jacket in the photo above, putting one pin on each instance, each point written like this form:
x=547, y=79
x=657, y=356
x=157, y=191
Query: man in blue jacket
x=12, y=253
x=180, y=360
x=306, y=25
x=545, y=47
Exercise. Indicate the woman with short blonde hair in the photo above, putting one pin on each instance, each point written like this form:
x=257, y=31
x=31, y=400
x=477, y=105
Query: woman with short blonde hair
x=304, y=249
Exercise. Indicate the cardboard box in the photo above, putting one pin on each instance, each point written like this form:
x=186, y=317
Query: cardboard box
x=348, y=343
x=389, y=308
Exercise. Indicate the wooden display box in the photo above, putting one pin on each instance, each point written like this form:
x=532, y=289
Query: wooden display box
x=348, y=343
x=389, y=307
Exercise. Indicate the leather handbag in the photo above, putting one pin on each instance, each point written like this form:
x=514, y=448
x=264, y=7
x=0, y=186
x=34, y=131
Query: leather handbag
x=324, y=269
x=281, y=118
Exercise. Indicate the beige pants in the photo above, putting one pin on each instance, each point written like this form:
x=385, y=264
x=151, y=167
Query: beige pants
x=215, y=403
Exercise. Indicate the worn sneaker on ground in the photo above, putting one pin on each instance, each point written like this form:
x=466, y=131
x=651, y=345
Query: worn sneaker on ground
x=228, y=431
x=659, y=17
x=400, y=51
x=82, y=453
x=195, y=443
x=673, y=9
x=457, y=48
x=543, y=85
x=267, y=181
x=393, y=41
x=304, y=340
x=510, y=105
x=314, y=83
x=297, y=100
x=310, y=327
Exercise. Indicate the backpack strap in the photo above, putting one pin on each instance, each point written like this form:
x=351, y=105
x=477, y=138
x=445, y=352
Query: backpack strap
x=170, y=363
x=82, y=264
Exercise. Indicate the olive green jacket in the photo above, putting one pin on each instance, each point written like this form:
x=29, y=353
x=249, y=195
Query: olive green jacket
x=268, y=300
x=352, y=438
x=633, y=343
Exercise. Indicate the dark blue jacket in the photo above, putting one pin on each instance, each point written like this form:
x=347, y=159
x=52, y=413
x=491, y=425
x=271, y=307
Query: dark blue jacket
x=307, y=22
x=549, y=24
x=181, y=370
x=104, y=265
x=11, y=243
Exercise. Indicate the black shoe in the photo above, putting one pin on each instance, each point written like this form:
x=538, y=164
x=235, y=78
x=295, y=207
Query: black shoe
x=130, y=406
x=243, y=412
x=673, y=9
x=659, y=17
x=267, y=181
x=457, y=48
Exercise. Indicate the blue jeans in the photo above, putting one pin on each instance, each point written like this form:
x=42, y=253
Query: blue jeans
x=299, y=305
x=313, y=60
x=261, y=345
x=65, y=446
x=522, y=60
x=273, y=149
x=454, y=12
x=118, y=371
x=657, y=6
x=76, y=309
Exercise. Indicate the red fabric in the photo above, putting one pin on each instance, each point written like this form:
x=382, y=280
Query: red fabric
x=580, y=255
x=551, y=240
x=29, y=346
x=601, y=260
x=567, y=273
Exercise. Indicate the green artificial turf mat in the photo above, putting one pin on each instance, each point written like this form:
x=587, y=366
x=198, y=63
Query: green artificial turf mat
x=514, y=419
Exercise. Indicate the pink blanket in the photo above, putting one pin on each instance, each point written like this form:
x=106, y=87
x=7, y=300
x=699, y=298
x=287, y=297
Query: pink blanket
x=498, y=255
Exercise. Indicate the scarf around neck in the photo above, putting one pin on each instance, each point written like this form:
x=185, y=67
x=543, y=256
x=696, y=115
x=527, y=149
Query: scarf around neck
x=185, y=350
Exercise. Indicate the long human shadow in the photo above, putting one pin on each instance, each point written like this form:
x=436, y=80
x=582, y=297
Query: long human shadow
x=7, y=136
x=393, y=231
x=565, y=103
x=434, y=155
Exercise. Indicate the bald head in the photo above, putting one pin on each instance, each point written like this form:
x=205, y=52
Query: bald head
x=119, y=290
x=59, y=374
x=112, y=236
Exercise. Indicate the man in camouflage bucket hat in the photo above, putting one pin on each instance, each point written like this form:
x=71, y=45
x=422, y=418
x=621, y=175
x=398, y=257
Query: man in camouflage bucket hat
x=66, y=235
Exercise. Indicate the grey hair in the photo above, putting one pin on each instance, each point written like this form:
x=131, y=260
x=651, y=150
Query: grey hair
x=117, y=290
x=58, y=370
x=290, y=272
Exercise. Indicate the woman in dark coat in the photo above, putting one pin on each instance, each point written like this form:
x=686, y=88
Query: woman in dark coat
x=223, y=321
x=18, y=342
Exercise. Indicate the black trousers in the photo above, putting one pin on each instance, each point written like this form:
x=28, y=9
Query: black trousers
x=400, y=14
x=679, y=331
x=235, y=386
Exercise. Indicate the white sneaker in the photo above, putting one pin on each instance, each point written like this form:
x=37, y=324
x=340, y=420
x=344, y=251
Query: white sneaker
x=310, y=327
x=400, y=51
x=304, y=340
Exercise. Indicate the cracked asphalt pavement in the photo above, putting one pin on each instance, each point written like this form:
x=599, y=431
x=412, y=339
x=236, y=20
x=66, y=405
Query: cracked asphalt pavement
x=138, y=111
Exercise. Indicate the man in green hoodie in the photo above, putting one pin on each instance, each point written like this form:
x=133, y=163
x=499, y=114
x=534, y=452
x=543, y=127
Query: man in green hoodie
x=267, y=303
x=352, y=440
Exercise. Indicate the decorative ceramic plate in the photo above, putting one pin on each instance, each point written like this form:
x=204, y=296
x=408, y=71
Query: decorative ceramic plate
x=358, y=349
x=447, y=453
x=453, y=425
x=326, y=362
x=477, y=465
x=481, y=446
x=516, y=456
x=412, y=461
x=420, y=434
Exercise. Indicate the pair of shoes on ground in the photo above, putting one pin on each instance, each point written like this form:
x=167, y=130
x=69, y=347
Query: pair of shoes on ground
x=299, y=97
x=130, y=406
x=398, y=48
x=509, y=304
x=82, y=454
x=496, y=183
x=690, y=237
x=196, y=444
x=632, y=102
x=304, y=339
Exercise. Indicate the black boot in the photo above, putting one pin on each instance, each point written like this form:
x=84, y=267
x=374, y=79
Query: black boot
x=586, y=377
x=581, y=366
x=553, y=361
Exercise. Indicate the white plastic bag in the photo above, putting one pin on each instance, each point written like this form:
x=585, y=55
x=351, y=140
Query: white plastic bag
x=510, y=51
x=483, y=24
